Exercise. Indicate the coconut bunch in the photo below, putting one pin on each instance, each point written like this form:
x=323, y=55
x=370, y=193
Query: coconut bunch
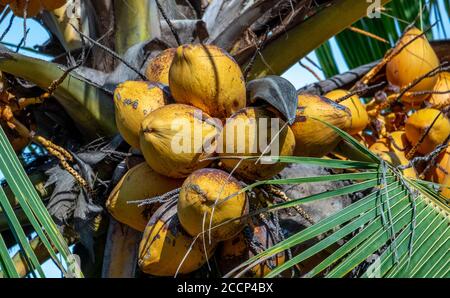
x=199, y=126
x=31, y=8
x=406, y=123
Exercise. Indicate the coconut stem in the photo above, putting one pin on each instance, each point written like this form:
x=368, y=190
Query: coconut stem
x=368, y=34
x=360, y=91
x=432, y=157
x=429, y=159
x=169, y=196
x=422, y=138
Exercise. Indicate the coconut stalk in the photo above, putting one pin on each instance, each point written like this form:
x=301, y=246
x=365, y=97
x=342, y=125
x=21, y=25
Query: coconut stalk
x=279, y=54
x=135, y=22
x=121, y=251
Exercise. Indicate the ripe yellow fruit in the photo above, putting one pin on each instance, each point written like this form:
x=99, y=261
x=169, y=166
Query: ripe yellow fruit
x=52, y=4
x=394, y=151
x=206, y=191
x=414, y=61
x=165, y=244
x=33, y=8
x=134, y=100
x=248, y=133
x=419, y=122
x=139, y=183
x=312, y=137
x=360, y=118
x=441, y=173
x=208, y=78
x=158, y=68
x=176, y=138
x=235, y=251
x=443, y=84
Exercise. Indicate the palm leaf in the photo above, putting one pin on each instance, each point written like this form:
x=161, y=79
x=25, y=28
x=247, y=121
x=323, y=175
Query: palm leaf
x=35, y=212
x=327, y=60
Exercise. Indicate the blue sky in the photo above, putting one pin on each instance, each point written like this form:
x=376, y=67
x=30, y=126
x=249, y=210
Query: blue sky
x=296, y=74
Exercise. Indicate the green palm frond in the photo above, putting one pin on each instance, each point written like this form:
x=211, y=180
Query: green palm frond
x=36, y=213
x=402, y=222
x=326, y=59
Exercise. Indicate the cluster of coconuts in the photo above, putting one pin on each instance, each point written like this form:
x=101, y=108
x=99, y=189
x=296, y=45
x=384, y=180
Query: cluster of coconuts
x=31, y=8
x=427, y=125
x=202, y=88
x=419, y=123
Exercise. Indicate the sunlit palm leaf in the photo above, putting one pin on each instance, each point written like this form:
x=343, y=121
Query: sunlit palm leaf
x=327, y=61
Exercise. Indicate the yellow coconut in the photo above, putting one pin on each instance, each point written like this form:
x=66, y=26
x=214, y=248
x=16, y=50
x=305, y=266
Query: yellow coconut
x=176, y=139
x=52, y=4
x=394, y=150
x=165, y=244
x=312, y=137
x=420, y=122
x=443, y=85
x=32, y=8
x=360, y=118
x=251, y=132
x=158, y=68
x=235, y=251
x=139, y=183
x=206, y=193
x=208, y=78
x=134, y=100
x=414, y=61
x=440, y=174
